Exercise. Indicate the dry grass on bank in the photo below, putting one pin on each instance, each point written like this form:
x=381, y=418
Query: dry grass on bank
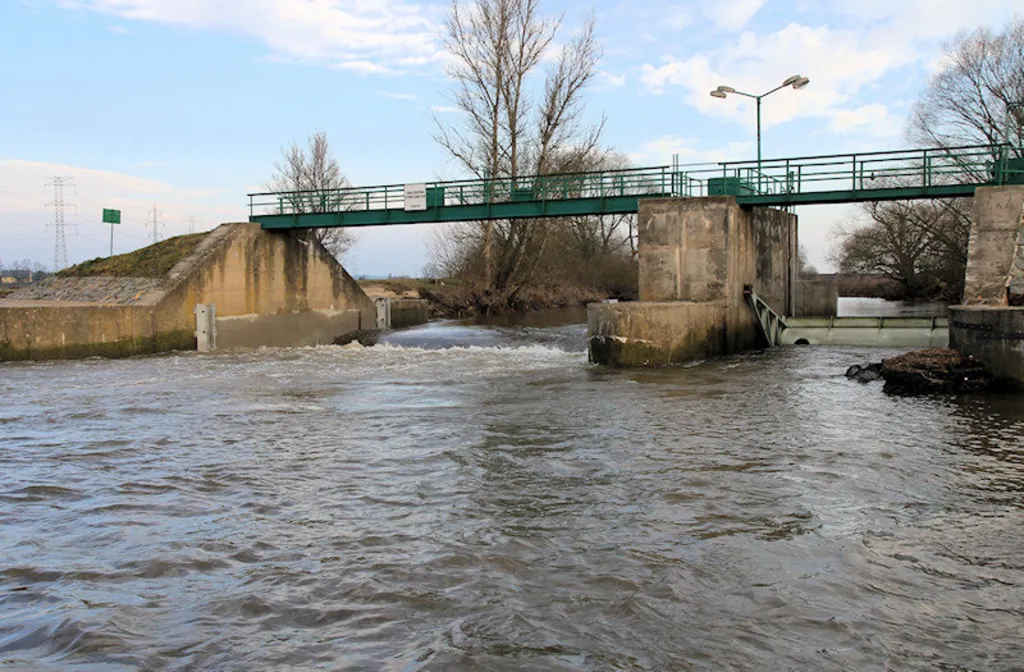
x=149, y=262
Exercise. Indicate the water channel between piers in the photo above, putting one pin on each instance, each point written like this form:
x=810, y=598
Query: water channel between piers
x=480, y=497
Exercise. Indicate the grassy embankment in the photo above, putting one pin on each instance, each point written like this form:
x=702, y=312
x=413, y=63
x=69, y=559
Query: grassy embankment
x=149, y=262
x=454, y=300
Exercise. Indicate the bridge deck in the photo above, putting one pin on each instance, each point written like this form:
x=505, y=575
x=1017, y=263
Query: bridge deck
x=904, y=174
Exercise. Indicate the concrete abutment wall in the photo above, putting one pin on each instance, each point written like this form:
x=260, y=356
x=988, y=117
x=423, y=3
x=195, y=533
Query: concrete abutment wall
x=696, y=257
x=268, y=288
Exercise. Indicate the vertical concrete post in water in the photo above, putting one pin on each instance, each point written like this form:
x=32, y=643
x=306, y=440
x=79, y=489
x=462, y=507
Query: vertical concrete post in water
x=696, y=256
x=206, y=327
x=986, y=327
x=383, y=313
x=998, y=217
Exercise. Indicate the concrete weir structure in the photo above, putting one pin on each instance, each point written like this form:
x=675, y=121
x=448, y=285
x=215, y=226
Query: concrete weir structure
x=264, y=288
x=986, y=327
x=696, y=257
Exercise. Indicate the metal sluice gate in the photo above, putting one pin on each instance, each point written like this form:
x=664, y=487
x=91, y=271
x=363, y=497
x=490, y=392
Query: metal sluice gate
x=891, y=332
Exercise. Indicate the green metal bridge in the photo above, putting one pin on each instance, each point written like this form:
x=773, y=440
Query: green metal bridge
x=840, y=178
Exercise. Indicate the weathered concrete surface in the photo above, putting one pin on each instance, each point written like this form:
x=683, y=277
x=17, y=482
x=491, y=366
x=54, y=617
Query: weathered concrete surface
x=707, y=249
x=409, y=313
x=64, y=330
x=889, y=332
x=106, y=290
x=659, y=333
x=814, y=297
x=998, y=216
x=992, y=335
x=696, y=256
x=268, y=289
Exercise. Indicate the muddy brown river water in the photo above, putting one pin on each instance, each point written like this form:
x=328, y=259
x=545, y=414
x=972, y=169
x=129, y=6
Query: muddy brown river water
x=481, y=498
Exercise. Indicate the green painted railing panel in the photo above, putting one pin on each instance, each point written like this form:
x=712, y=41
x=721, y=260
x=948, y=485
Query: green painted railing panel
x=453, y=213
x=849, y=178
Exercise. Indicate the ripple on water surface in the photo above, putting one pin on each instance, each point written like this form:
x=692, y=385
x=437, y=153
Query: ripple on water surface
x=502, y=504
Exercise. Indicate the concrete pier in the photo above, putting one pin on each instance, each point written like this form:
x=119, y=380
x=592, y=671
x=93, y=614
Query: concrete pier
x=986, y=327
x=696, y=256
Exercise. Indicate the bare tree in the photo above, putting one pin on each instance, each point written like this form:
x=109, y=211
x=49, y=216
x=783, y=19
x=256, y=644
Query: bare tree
x=497, y=48
x=804, y=268
x=976, y=98
x=920, y=244
x=310, y=180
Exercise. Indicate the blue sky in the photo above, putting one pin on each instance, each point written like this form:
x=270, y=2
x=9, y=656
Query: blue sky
x=186, y=104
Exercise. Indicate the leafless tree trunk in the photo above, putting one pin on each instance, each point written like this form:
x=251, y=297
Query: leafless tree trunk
x=497, y=48
x=309, y=179
x=976, y=97
x=921, y=244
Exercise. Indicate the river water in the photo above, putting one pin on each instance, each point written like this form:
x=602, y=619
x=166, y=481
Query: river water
x=481, y=498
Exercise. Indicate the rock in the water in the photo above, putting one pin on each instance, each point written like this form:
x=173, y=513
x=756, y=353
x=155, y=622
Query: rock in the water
x=865, y=374
x=934, y=370
x=868, y=376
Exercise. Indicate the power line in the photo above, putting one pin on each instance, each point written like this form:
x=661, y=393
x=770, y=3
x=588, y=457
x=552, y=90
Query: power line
x=157, y=223
x=60, y=242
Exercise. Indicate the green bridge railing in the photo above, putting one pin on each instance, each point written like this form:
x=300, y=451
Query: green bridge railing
x=921, y=173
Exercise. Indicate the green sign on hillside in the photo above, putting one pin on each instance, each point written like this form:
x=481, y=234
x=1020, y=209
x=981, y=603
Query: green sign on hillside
x=111, y=216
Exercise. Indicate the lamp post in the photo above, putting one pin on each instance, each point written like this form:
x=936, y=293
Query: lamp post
x=796, y=81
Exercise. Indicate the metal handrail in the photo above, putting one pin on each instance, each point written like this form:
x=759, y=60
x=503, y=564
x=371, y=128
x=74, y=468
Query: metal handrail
x=795, y=175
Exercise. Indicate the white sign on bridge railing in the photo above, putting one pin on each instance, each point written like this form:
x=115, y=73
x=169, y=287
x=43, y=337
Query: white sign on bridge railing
x=415, y=197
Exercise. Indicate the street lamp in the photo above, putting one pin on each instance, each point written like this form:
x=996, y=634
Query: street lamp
x=796, y=81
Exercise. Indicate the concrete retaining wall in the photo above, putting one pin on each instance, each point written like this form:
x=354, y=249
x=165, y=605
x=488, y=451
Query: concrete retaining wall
x=269, y=288
x=992, y=335
x=696, y=256
x=51, y=330
x=815, y=298
x=409, y=313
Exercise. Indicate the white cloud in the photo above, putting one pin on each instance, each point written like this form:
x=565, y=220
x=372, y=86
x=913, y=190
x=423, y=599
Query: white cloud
x=877, y=37
x=659, y=152
x=675, y=19
x=839, y=63
x=868, y=119
x=607, y=80
x=398, y=96
x=367, y=36
x=732, y=14
x=445, y=109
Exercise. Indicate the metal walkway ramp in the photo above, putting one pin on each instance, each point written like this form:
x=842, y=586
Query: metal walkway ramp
x=892, y=332
x=840, y=178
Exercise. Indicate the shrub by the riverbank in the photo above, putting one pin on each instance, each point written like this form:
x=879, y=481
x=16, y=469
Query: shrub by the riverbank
x=462, y=301
x=455, y=300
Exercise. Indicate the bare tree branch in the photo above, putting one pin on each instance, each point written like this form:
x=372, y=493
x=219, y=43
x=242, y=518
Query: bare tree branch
x=309, y=180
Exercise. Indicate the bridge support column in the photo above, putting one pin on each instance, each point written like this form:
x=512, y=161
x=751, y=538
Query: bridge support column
x=986, y=327
x=998, y=217
x=696, y=256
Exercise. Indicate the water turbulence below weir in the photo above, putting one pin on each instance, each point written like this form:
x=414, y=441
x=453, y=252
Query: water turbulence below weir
x=479, y=497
